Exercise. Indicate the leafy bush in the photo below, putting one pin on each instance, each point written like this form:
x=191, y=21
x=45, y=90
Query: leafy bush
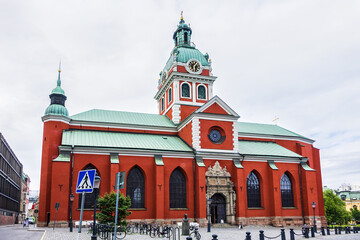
x=107, y=207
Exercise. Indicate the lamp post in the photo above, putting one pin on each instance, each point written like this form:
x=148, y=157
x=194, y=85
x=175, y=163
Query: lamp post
x=72, y=197
x=96, y=189
x=313, y=206
x=209, y=216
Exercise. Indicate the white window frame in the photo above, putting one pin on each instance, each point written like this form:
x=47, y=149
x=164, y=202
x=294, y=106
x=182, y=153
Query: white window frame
x=181, y=95
x=197, y=92
x=170, y=95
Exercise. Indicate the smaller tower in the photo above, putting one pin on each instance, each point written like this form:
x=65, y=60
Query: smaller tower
x=58, y=98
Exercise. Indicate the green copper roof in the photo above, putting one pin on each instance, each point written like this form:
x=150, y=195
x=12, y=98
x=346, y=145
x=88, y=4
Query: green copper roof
x=56, y=109
x=265, y=149
x=124, y=140
x=58, y=89
x=184, y=54
x=267, y=129
x=106, y=116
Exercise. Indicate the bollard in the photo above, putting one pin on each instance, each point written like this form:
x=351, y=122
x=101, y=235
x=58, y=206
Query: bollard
x=261, y=235
x=312, y=231
x=336, y=230
x=248, y=236
x=328, y=231
x=322, y=231
x=306, y=232
x=214, y=237
x=339, y=230
x=283, y=234
x=188, y=238
x=292, y=234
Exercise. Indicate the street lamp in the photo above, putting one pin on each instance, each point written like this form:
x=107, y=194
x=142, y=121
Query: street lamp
x=209, y=216
x=96, y=189
x=72, y=197
x=313, y=206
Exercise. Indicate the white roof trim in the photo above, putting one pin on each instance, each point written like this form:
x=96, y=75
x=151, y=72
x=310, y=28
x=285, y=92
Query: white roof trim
x=222, y=104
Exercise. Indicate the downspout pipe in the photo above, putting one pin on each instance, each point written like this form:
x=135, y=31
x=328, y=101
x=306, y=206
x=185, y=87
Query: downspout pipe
x=301, y=195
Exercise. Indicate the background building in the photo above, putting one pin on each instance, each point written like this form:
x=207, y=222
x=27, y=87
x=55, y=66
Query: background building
x=350, y=194
x=10, y=183
x=24, y=204
x=192, y=151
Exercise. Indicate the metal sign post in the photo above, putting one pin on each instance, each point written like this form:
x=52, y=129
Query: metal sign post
x=81, y=211
x=57, y=205
x=119, y=183
x=85, y=184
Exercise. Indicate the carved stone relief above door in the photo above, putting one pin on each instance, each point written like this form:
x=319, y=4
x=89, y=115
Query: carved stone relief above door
x=218, y=183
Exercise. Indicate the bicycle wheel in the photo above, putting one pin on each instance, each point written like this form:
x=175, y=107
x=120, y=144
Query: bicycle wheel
x=153, y=232
x=120, y=234
x=169, y=232
x=198, y=236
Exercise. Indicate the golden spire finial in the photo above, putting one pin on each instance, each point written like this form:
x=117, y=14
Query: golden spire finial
x=181, y=18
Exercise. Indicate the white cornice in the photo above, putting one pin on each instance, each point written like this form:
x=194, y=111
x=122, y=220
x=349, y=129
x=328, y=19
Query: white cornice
x=57, y=118
x=125, y=152
x=275, y=159
x=266, y=136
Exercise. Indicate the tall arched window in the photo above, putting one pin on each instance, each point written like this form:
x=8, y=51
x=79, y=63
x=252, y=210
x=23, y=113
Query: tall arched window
x=185, y=90
x=170, y=95
x=287, y=199
x=135, y=188
x=253, y=190
x=162, y=104
x=177, y=189
x=201, y=92
x=89, y=197
x=185, y=37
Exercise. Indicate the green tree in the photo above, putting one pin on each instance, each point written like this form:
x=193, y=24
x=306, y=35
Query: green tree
x=335, y=210
x=355, y=213
x=107, y=207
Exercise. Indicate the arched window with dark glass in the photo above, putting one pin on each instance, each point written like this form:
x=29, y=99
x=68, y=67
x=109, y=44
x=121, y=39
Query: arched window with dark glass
x=185, y=90
x=185, y=37
x=201, y=92
x=177, y=189
x=135, y=188
x=170, y=95
x=162, y=104
x=253, y=191
x=89, y=197
x=287, y=199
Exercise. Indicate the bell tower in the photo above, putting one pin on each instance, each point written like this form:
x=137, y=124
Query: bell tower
x=186, y=81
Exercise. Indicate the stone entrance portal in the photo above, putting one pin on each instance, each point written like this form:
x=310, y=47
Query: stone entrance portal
x=220, y=189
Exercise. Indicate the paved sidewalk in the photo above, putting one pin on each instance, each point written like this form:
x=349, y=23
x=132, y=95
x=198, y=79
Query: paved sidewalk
x=223, y=233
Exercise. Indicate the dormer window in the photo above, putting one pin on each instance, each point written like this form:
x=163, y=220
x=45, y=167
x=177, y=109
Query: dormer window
x=201, y=92
x=185, y=90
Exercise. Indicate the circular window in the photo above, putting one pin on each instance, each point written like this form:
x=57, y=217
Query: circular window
x=216, y=135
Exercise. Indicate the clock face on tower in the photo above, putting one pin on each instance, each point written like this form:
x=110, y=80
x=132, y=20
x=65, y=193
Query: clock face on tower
x=194, y=66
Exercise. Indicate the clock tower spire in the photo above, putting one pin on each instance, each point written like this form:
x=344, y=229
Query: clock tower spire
x=186, y=82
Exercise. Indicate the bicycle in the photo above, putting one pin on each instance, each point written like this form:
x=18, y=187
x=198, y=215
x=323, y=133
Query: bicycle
x=195, y=232
x=163, y=232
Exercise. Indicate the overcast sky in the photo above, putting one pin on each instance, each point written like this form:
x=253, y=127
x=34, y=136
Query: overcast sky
x=297, y=60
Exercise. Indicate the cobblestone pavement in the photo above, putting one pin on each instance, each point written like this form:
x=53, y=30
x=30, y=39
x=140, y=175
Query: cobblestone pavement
x=223, y=233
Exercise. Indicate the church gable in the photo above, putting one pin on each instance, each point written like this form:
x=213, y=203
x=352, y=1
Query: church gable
x=217, y=106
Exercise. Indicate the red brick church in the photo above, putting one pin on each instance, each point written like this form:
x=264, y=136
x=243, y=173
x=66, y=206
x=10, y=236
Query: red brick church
x=193, y=150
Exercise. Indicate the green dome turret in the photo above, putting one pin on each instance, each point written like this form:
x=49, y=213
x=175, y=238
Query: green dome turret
x=182, y=35
x=58, y=98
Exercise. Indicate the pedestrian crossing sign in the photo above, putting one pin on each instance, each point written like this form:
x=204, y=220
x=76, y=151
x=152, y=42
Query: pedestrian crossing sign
x=85, y=181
